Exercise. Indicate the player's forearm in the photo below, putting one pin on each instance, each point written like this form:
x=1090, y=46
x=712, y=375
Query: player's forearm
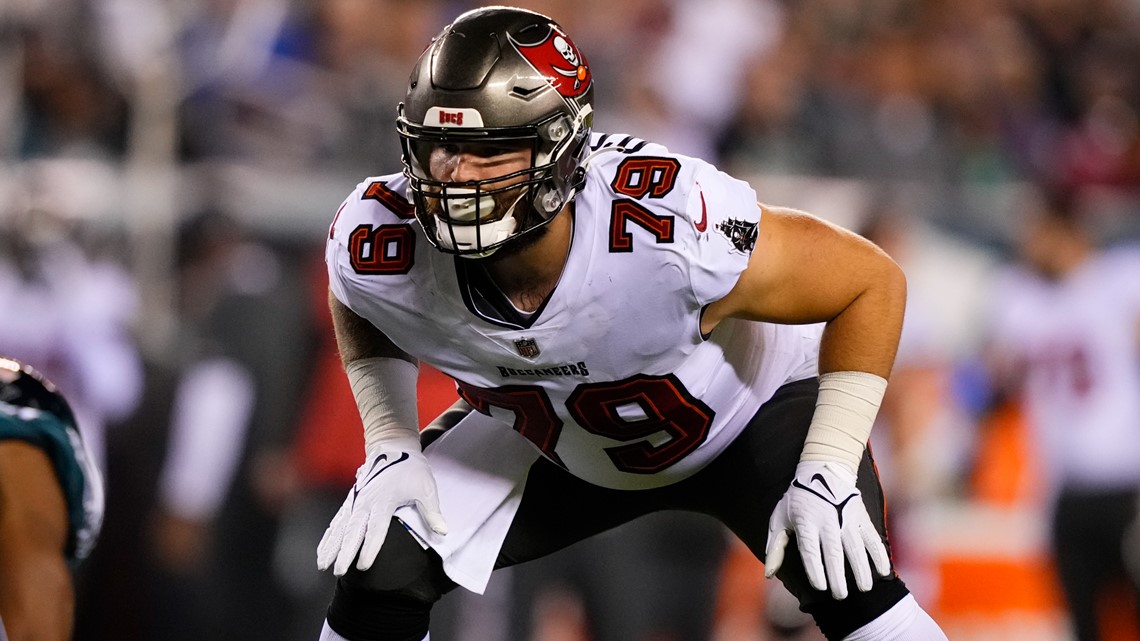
x=383, y=379
x=856, y=357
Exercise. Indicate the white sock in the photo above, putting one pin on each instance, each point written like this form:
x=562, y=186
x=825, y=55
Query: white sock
x=906, y=621
x=327, y=634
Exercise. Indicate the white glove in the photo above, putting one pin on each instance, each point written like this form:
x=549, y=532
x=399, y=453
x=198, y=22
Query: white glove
x=391, y=478
x=825, y=510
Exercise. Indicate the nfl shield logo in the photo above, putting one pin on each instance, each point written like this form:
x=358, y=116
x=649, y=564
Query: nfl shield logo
x=527, y=347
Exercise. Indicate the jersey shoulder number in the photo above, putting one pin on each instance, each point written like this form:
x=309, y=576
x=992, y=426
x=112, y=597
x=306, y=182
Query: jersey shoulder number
x=641, y=180
x=373, y=223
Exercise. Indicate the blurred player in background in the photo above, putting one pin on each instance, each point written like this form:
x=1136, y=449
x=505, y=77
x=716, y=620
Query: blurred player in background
x=51, y=506
x=1066, y=338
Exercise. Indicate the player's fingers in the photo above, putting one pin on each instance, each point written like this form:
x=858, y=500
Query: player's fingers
x=808, y=541
x=429, y=509
x=856, y=553
x=374, y=535
x=774, y=552
x=326, y=549
x=876, y=549
x=330, y=542
x=832, y=547
x=350, y=545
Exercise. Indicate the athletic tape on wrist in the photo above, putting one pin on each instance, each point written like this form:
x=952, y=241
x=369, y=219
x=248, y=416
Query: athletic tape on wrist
x=385, y=392
x=844, y=413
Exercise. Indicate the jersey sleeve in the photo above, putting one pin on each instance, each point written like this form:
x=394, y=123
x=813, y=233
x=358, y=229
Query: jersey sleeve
x=374, y=204
x=79, y=479
x=724, y=216
x=336, y=246
x=1123, y=264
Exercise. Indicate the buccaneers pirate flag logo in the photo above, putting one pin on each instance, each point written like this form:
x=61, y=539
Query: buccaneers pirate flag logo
x=559, y=60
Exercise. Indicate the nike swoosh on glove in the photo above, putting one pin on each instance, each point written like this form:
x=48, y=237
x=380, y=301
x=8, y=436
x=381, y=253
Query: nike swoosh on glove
x=825, y=510
x=391, y=478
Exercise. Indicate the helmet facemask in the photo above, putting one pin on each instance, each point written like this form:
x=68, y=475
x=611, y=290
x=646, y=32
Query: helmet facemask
x=474, y=218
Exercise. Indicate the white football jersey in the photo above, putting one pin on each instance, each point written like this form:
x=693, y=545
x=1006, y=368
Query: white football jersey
x=611, y=377
x=1077, y=344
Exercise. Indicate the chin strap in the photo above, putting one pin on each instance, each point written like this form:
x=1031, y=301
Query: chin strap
x=594, y=154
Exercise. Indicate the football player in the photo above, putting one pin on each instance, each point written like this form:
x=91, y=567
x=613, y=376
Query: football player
x=51, y=506
x=1065, y=336
x=629, y=332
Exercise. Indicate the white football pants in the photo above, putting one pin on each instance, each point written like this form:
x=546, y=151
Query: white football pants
x=905, y=621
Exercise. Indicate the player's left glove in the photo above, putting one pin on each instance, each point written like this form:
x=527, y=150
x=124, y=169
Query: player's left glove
x=825, y=510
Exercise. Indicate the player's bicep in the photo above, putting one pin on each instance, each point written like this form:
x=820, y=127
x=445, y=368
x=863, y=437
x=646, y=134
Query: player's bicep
x=803, y=270
x=358, y=338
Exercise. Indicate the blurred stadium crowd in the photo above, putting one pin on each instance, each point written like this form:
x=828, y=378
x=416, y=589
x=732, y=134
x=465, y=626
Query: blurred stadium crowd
x=168, y=170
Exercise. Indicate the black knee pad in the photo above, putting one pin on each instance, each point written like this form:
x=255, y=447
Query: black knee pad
x=837, y=619
x=392, y=600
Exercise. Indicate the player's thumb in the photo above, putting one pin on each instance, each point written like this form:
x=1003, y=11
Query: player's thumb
x=774, y=552
x=328, y=547
x=429, y=509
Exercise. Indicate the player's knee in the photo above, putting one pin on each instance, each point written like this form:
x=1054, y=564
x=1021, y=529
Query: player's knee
x=839, y=618
x=401, y=566
x=392, y=600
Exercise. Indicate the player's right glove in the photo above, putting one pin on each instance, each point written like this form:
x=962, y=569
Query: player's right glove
x=825, y=510
x=392, y=477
